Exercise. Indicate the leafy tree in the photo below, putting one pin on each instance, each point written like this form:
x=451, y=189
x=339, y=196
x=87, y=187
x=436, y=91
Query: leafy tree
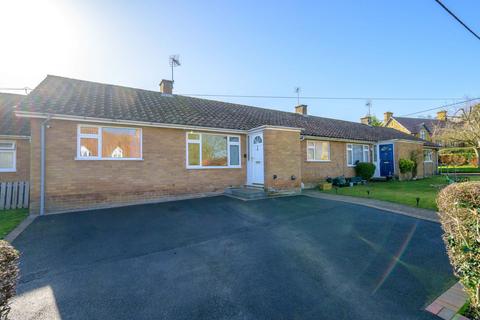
x=464, y=129
x=374, y=122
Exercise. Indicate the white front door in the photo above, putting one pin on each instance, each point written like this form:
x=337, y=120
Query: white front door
x=255, y=159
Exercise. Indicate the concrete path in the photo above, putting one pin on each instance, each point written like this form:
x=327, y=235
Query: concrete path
x=418, y=213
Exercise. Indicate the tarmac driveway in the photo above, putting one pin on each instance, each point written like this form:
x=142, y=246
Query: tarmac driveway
x=222, y=258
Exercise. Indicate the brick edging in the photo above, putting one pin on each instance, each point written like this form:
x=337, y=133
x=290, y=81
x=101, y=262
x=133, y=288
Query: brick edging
x=448, y=303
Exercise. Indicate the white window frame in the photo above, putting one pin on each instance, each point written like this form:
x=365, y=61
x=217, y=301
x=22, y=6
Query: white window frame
x=365, y=153
x=99, y=140
x=13, y=150
x=423, y=134
x=199, y=142
x=314, y=150
x=430, y=153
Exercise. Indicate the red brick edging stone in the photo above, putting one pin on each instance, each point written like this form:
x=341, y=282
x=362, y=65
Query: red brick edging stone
x=447, y=305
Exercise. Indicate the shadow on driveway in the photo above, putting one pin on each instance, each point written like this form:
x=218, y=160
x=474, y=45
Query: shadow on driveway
x=222, y=258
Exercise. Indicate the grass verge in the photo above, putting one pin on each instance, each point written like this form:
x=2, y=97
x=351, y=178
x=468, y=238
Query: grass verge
x=403, y=192
x=9, y=219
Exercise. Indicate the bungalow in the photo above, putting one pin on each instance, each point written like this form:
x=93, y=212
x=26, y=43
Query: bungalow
x=98, y=145
x=14, y=141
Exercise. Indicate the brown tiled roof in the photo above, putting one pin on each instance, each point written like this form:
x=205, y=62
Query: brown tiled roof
x=58, y=95
x=9, y=124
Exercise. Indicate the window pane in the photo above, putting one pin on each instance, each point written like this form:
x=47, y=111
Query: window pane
x=349, y=157
x=88, y=147
x=120, y=143
x=325, y=151
x=357, y=153
x=310, y=154
x=6, y=145
x=234, y=139
x=234, y=155
x=214, y=150
x=6, y=160
x=193, y=136
x=194, y=154
x=89, y=130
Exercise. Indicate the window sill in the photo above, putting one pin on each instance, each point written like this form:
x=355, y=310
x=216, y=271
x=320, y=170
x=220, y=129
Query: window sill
x=428, y=161
x=108, y=159
x=8, y=170
x=201, y=168
x=319, y=161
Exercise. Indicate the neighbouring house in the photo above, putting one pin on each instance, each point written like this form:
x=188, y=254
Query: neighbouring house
x=106, y=145
x=14, y=141
x=423, y=128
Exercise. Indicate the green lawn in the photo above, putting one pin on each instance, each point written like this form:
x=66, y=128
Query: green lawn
x=460, y=169
x=404, y=192
x=9, y=219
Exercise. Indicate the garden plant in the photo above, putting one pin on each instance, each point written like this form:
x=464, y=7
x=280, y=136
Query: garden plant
x=459, y=210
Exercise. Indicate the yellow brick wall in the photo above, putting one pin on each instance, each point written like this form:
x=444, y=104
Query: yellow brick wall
x=22, y=162
x=314, y=172
x=282, y=158
x=397, y=126
x=76, y=184
x=403, y=150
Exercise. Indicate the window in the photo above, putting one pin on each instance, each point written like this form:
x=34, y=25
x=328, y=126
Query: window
x=318, y=151
x=7, y=156
x=427, y=156
x=357, y=153
x=206, y=150
x=109, y=143
x=422, y=134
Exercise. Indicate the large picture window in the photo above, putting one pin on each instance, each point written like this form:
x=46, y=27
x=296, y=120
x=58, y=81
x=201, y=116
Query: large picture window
x=205, y=150
x=357, y=153
x=109, y=143
x=7, y=156
x=318, y=151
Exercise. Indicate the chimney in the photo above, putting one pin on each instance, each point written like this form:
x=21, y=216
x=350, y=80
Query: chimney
x=442, y=115
x=301, y=109
x=366, y=120
x=386, y=116
x=166, y=87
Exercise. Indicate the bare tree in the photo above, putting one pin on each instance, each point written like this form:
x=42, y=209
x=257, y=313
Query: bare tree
x=464, y=129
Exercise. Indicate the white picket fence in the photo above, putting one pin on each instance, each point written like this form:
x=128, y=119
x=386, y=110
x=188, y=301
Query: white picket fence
x=14, y=195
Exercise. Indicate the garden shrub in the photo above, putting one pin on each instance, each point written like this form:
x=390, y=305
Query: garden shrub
x=8, y=276
x=365, y=170
x=406, y=165
x=459, y=211
x=414, y=158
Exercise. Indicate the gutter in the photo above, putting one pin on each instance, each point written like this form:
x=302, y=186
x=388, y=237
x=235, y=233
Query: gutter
x=43, y=126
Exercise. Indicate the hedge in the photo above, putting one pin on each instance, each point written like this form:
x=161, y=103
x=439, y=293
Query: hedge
x=8, y=276
x=459, y=211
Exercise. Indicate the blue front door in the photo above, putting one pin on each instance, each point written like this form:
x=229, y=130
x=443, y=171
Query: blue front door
x=386, y=160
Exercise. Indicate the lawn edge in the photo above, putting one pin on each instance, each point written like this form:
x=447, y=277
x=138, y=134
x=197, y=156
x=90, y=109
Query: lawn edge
x=418, y=213
x=12, y=235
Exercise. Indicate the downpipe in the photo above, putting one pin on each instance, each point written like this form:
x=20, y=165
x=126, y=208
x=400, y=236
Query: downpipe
x=43, y=128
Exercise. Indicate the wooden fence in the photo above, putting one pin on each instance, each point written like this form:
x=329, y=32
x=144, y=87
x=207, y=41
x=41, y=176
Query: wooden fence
x=14, y=195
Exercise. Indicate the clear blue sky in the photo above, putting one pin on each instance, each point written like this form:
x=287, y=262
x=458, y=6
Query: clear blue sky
x=329, y=48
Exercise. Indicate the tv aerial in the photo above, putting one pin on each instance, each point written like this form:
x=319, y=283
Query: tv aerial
x=174, y=61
